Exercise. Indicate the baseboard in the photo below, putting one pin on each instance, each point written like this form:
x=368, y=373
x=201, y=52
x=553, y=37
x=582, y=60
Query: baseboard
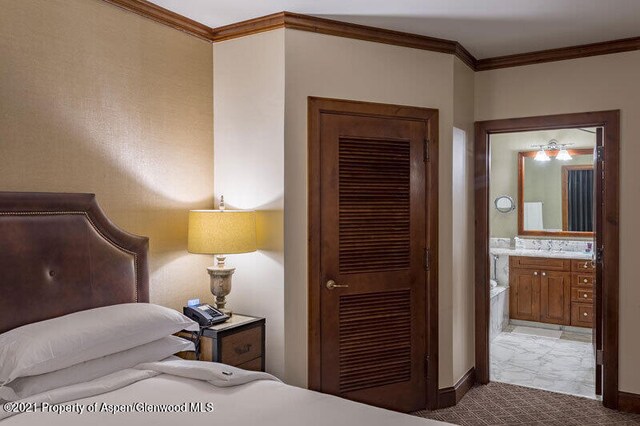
x=448, y=397
x=629, y=402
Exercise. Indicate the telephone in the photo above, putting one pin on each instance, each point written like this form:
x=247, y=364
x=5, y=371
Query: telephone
x=204, y=314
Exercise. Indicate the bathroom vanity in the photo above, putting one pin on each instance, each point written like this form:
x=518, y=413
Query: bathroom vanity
x=551, y=290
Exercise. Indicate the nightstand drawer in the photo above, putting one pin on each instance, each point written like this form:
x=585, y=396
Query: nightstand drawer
x=238, y=342
x=253, y=365
x=241, y=347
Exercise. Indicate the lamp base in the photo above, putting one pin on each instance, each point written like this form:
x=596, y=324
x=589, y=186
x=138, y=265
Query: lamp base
x=220, y=282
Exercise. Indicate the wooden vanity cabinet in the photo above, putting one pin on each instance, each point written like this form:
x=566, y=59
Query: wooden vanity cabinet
x=555, y=297
x=555, y=291
x=524, y=294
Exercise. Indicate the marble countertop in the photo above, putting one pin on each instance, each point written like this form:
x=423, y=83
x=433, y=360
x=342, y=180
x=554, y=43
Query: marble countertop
x=542, y=253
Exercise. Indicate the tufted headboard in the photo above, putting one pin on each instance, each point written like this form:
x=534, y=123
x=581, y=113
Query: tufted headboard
x=60, y=254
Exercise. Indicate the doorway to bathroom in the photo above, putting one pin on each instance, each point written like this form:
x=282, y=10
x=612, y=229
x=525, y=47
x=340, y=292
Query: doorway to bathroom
x=546, y=265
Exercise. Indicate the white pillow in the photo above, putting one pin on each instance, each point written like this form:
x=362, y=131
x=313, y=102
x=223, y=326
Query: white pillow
x=61, y=342
x=24, y=387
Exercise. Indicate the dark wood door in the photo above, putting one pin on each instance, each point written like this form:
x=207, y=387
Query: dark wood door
x=598, y=206
x=373, y=233
x=524, y=296
x=555, y=297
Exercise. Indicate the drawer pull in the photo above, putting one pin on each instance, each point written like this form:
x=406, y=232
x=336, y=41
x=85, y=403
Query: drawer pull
x=544, y=274
x=240, y=350
x=586, y=265
x=585, y=314
x=586, y=280
x=585, y=295
x=535, y=273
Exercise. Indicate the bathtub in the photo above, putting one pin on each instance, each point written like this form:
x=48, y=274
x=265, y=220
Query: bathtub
x=499, y=310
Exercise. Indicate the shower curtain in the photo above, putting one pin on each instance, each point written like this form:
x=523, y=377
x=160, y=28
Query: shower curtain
x=580, y=200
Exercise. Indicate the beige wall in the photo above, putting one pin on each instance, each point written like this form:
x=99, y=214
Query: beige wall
x=334, y=67
x=588, y=84
x=99, y=99
x=462, y=212
x=504, y=170
x=96, y=99
x=261, y=125
x=249, y=172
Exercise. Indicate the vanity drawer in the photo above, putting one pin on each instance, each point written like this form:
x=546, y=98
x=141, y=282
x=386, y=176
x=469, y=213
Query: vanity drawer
x=582, y=314
x=540, y=263
x=581, y=294
x=582, y=266
x=583, y=280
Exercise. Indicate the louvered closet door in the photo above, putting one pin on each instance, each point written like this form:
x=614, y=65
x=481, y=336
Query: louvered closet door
x=373, y=241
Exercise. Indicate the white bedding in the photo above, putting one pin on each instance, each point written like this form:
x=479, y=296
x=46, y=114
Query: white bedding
x=240, y=398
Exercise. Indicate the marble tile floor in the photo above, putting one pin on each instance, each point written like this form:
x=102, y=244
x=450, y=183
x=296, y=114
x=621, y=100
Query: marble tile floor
x=565, y=364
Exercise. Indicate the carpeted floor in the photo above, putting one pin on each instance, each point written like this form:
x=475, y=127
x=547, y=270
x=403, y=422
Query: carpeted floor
x=504, y=404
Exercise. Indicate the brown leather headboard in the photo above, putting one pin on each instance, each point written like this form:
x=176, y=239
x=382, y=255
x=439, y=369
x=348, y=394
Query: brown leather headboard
x=60, y=254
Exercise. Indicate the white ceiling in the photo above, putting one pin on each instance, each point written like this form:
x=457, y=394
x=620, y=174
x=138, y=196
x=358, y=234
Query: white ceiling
x=528, y=141
x=487, y=28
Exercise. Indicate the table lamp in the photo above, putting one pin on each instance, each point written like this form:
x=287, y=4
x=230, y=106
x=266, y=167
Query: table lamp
x=221, y=232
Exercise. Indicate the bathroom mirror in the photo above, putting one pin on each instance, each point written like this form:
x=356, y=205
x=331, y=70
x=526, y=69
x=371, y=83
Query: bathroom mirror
x=555, y=197
x=504, y=204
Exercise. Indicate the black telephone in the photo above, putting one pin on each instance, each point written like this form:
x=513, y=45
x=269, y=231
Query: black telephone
x=204, y=314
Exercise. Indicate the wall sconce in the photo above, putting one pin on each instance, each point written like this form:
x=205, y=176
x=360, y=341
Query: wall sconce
x=553, y=146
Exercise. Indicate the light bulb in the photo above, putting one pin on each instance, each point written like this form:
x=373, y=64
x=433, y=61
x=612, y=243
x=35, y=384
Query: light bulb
x=542, y=156
x=564, y=155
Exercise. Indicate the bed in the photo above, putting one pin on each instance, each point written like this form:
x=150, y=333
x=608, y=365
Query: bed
x=61, y=258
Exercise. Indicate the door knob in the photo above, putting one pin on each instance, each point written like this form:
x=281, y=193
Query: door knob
x=331, y=284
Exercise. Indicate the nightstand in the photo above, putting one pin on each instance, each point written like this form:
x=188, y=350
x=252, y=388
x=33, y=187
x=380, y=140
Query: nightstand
x=238, y=342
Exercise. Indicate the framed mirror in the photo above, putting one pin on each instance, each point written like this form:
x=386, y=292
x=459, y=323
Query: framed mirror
x=504, y=204
x=555, y=197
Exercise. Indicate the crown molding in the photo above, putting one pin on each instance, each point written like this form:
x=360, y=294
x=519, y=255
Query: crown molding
x=341, y=29
x=164, y=16
x=248, y=27
x=561, y=54
x=465, y=56
x=363, y=32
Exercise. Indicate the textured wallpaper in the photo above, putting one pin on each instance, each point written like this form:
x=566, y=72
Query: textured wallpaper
x=97, y=99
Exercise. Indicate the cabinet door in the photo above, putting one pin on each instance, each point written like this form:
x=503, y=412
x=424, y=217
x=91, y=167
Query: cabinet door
x=524, y=295
x=555, y=297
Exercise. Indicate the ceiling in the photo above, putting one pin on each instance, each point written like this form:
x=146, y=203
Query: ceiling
x=487, y=28
x=529, y=141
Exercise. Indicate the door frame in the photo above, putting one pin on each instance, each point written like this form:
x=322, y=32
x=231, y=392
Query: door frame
x=316, y=107
x=610, y=120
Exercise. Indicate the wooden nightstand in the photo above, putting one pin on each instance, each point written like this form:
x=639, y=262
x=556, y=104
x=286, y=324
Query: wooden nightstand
x=238, y=342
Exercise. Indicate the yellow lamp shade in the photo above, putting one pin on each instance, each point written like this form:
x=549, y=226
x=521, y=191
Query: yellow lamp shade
x=222, y=231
